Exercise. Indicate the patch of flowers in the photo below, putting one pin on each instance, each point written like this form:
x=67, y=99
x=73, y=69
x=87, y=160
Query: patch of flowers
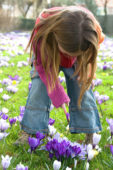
x=100, y=98
x=64, y=153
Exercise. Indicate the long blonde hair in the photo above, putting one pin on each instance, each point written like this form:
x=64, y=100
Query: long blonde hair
x=74, y=31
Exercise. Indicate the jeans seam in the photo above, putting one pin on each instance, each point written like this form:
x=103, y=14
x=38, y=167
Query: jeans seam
x=83, y=109
x=31, y=130
x=87, y=129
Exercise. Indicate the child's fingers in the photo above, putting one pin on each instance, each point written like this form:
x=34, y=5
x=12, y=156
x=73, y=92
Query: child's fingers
x=64, y=108
x=67, y=104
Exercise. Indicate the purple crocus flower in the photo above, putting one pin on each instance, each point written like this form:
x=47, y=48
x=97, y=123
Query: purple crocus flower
x=96, y=94
x=12, y=121
x=100, y=101
x=22, y=109
x=68, y=153
x=30, y=84
x=55, y=144
x=62, y=149
x=111, y=149
x=105, y=97
x=40, y=136
x=6, y=81
x=68, y=117
x=19, y=118
x=51, y=155
x=1, y=113
x=61, y=79
x=4, y=116
x=51, y=121
x=33, y=143
x=75, y=151
x=111, y=128
x=14, y=78
x=21, y=167
x=97, y=82
x=104, y=67
x=102, y=98
x=110, y=122
x=51, y=107
x=49, y=146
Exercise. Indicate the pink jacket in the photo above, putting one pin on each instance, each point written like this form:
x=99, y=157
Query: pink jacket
x=58, y=95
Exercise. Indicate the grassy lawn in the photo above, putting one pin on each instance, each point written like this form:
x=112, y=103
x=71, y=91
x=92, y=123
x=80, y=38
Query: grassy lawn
x=40, y=159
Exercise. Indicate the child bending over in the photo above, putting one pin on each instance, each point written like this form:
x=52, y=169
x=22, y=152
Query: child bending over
x=63, y=39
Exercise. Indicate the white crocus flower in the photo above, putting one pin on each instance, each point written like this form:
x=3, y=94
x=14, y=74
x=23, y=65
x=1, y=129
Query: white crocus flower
x=6, y=97
x=4, y=125
x=1, y=90
x=52, y=130
x=5, y=110
x=96, y=139
x=89, y=147
x=21, y=167
x=1, y=136
x=68, y=168
x=56, y=165
x=75, y=163
x=87, y=165
x=90, y=154
x=67, y=127
x=6, y=161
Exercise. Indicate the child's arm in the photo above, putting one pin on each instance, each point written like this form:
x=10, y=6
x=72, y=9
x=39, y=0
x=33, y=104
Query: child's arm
x=58, y=95
x=63, y=106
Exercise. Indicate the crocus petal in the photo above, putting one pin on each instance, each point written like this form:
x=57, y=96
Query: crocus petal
x=40, y=136
x=21, y=167
x=51, y=121
x=96, y=138
x=56, y=165
x=6, y=161
x=68, y=117
x=75, y=163
x=87, y=165
x=111, y=149
x=68, y=168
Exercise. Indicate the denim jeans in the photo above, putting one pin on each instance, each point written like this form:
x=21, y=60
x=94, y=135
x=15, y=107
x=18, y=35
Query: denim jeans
x=36, y=116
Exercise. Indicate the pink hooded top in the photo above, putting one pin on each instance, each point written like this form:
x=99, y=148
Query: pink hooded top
x=58, y=95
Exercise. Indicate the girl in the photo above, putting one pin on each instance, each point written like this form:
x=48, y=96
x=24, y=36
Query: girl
x=63, y=39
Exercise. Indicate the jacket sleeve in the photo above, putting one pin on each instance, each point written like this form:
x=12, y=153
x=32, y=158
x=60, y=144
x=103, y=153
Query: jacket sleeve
x=58, y=95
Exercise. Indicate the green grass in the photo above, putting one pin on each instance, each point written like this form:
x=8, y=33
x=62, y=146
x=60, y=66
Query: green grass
x=38, y=160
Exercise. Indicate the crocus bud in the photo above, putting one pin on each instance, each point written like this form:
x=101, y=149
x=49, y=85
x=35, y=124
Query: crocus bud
x=56, y=165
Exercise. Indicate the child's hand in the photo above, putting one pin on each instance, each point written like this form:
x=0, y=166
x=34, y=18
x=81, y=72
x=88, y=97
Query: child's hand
x=63, y=106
